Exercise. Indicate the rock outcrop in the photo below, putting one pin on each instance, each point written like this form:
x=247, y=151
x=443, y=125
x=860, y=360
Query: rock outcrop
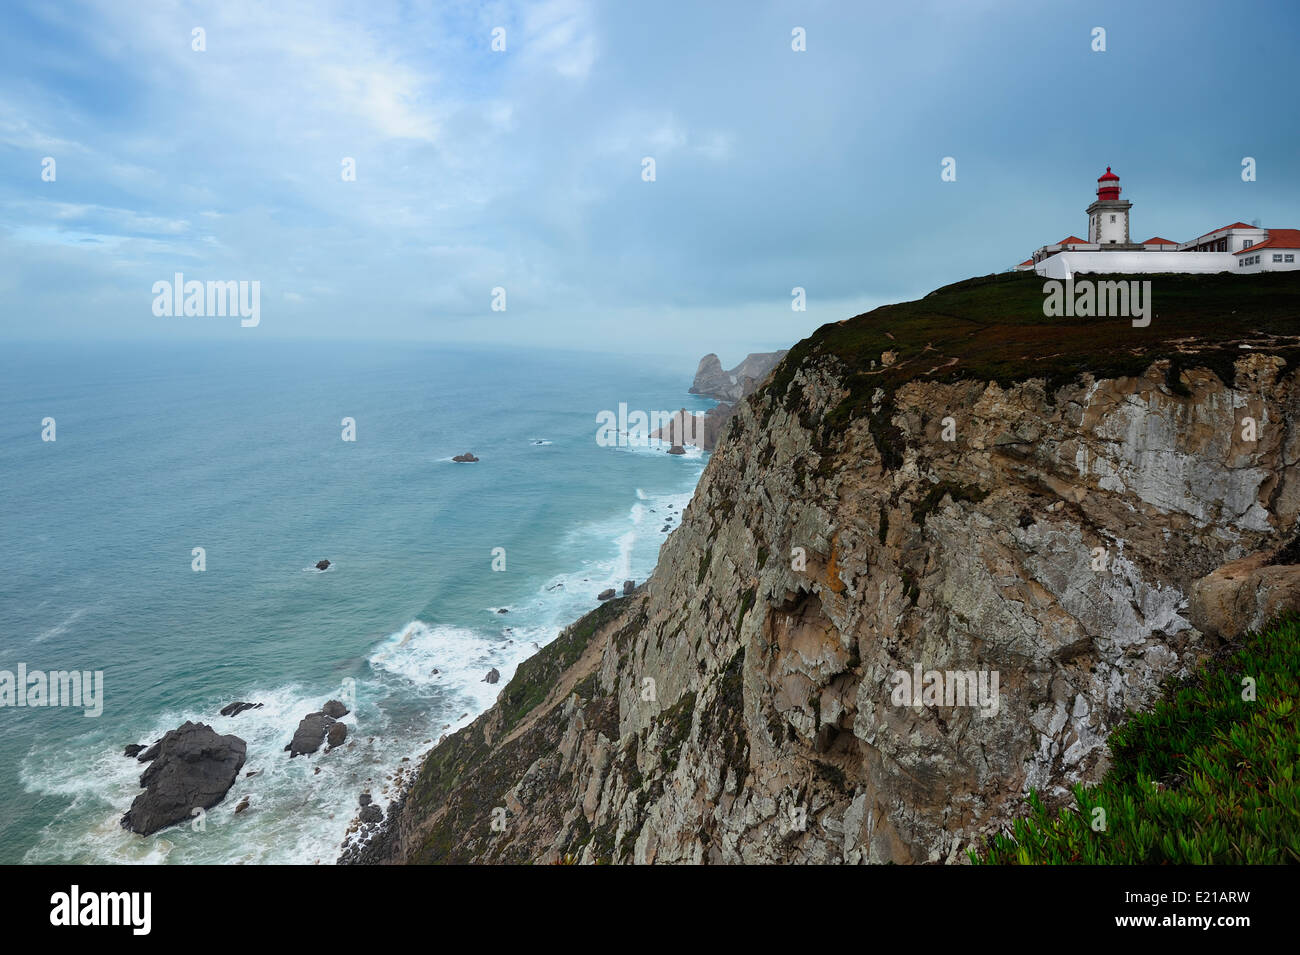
x=239, y=706
x=309, y=735
x=727, y=387
x=192, y=768
x=712, y=381
x=1043, y=507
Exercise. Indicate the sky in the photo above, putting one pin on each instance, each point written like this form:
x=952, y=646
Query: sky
x=524, y=169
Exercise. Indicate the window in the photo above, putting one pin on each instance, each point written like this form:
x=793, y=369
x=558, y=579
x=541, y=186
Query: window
x=1277, y=258
x=1248, y=243
x=1112, y=218
x=1290, y=257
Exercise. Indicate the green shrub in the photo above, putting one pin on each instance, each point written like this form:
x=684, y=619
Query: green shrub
x=1206, y=777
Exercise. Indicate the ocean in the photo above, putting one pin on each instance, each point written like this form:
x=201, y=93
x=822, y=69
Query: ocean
x=237, y=448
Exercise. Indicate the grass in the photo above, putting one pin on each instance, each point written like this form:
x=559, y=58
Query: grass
x=1206, y=777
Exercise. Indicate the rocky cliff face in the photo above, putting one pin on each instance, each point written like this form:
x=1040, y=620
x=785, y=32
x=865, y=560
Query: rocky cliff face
x=896, y=501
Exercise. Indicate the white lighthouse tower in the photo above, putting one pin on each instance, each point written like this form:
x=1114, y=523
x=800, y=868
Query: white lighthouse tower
x=1108, y=214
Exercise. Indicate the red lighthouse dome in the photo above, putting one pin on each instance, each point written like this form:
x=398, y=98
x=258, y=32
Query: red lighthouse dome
x=1108, y=185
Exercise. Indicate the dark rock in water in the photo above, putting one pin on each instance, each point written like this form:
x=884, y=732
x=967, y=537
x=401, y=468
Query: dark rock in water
x=334, y=708
x=466, y=458
x=492, y=676
x=150, y=753
x=372, y=814
x=194, y=768
x=337, y=734
x=365, y=800
x=134, y=750
x=676, y=449
x=605, y=594
x=628, y=587
x=310, y=734
x=322, y=564
x=243, y=804
x=234, y=709
x=502, y=610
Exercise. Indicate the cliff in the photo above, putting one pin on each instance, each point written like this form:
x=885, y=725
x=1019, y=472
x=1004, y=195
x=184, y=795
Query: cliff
x=953, y=484
x=726, y=387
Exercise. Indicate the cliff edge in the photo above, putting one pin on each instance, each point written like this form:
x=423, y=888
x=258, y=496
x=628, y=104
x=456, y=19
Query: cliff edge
x=956, y=485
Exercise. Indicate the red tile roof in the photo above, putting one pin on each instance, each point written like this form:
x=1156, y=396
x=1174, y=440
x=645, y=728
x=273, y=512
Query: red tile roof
x=1072, y=240
x=1026, y=262
x=1156, y=240
x=1235, y=225
x=1277, y=239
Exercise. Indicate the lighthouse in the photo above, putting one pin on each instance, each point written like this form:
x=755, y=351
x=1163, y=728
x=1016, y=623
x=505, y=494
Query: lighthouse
x=1108, y=214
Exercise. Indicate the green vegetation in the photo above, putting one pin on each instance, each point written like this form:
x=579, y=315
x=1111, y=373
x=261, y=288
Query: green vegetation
x=934, y=497
x=746, y=604
x=1205, y=778
x=536, y=676
x=995, y=330
x=705, y=558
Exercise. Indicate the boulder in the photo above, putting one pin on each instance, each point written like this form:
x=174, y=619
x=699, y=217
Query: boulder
x=234, y=709
x=309, y=734
x=371, y=814
x=134, y=750
x=335, y=709
x=605, y=594
x=466, y=458
x=193, y=769
x=322, y=564
x=628, y=587
x=493, y=675
x=338, y=732
x=1244, y=595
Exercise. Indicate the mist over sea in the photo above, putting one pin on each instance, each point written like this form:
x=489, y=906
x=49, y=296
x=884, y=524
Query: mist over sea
x=237, y=448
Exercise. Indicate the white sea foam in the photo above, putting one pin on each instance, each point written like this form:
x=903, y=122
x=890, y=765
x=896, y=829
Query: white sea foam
x=300, y=809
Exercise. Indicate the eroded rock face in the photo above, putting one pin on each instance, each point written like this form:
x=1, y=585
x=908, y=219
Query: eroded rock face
x=1055, y=541
x=192, y=768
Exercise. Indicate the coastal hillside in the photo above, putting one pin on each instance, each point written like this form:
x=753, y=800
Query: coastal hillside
x=1072, y=510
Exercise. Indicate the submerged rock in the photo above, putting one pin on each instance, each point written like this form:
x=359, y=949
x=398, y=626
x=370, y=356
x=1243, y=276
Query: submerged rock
x=193, y=768
x=322, y=564
x=234, y=709
x=134, y=750
x=493, y=675
x=466, y=458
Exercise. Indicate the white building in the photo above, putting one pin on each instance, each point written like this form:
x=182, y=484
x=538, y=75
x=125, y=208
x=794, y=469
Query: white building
x=1234, y=248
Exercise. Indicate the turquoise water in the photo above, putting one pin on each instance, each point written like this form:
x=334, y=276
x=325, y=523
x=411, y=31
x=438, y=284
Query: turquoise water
x=237, y=449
